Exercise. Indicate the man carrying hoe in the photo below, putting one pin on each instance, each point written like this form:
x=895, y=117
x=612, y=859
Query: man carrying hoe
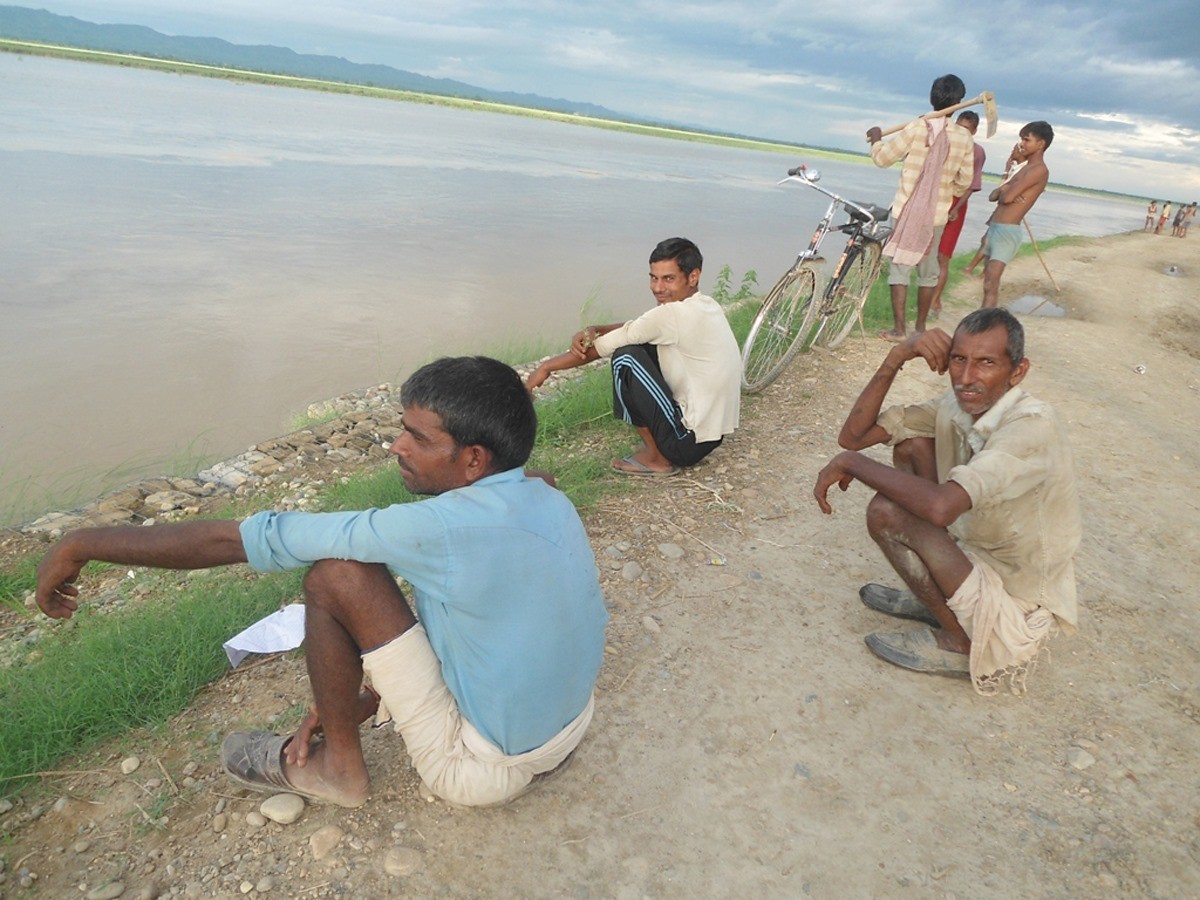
x=939, y=164
x=978, y=512
x=676, y=368
x=488, y=675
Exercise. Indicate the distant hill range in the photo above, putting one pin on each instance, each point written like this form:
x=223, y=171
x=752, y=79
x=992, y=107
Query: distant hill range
x=25, y=24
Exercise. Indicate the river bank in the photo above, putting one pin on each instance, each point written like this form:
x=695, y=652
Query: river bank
x=197, y=277
x=350, y=431
x=745, y=741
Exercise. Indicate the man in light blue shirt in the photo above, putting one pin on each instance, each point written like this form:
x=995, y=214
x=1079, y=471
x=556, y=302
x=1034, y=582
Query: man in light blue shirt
x=490, y=682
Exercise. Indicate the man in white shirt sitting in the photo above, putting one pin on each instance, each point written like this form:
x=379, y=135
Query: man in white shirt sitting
x=676, y=367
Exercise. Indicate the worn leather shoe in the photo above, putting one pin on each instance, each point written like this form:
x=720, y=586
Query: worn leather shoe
x=919, y=651
x=901, y=604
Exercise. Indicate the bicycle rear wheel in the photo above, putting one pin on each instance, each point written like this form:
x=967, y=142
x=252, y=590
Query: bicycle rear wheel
x=777, y=331
x=850, y=294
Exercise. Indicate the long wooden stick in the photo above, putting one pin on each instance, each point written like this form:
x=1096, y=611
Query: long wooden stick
x=1029, y=230
x=987, y=99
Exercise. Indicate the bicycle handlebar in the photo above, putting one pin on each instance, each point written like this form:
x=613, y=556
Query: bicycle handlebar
x=798, y=174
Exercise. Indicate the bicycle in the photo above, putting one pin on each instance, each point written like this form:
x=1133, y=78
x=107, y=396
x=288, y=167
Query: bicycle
x=789, y=319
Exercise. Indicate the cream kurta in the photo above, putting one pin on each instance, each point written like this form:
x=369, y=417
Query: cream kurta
x=1016, y=466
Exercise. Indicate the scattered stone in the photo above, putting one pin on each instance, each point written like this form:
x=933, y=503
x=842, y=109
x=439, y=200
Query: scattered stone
x=613, y=552
x=81, y=846
x=264, y=884
x=358, y=436
x=651, y=624
x=5, y=806
x=255, y=819
x=109, y=891
x=190, y=768
x=163, y=501
x=246, y=887
x=283, y=808
x=325, y=840
x=671, y=551
x=60, y=804
x=129, y=765
x=631, y=571
x=401, y=861
x=1079, y=758
x=220, y=820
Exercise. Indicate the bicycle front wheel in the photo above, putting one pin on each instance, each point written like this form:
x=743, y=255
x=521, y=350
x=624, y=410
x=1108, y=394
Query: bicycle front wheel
x=777, y=331
x=850, y=293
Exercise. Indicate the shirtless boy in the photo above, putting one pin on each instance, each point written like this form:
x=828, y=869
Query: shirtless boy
x=1013, y=200
x=1015, y=163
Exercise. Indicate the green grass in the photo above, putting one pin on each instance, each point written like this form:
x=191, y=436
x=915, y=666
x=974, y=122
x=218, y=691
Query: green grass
x=102, y=675
x=107, y=674
x=16, y=583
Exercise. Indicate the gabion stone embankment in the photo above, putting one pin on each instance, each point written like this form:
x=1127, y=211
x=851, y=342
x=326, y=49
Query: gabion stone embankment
x=360, y=427
x=364, y=424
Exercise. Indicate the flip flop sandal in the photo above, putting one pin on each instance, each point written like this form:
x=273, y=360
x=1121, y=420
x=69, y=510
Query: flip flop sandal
x=639, y=468
x=254, y=759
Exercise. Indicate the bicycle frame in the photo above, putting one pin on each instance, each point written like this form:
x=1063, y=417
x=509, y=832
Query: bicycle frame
x=865, y=229
x=797, y=310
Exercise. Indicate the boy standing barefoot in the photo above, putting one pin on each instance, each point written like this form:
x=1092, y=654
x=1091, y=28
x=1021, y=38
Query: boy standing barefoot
x=1013, y=200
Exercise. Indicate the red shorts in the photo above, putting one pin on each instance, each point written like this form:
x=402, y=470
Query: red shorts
x=952, y=231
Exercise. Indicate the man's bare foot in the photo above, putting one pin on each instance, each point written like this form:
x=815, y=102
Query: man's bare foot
x=320, y=779
x=951, y=643
x=892, y=335
x=258, y=760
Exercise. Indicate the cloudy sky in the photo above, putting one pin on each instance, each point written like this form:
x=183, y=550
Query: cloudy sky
x=1117, y=79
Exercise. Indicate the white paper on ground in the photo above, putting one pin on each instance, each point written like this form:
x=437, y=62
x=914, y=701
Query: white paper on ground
x=281, y=630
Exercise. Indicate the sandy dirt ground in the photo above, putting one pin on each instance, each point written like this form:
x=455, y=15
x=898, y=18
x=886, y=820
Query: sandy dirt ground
x=746, y=742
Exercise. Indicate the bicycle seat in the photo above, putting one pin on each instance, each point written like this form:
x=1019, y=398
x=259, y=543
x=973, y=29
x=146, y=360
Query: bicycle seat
x=878, y=213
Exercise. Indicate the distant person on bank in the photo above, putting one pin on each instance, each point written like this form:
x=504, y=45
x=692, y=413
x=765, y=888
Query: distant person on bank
x=1163, y=216
x=977, y=513
x=676, y=368
x=487, y=675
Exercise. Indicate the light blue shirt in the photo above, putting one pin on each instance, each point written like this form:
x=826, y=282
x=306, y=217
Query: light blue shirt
x=504, y=581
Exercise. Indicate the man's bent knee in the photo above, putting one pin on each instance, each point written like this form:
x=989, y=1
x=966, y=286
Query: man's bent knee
x=884, y=516
x=363, y=597
x=329, y=579
x=916, y=455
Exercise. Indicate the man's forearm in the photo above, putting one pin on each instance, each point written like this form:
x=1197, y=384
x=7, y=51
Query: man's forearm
x=186, y=545
x=856, y=432
x=939, y=504
x=190, y=545
x=861, y=429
